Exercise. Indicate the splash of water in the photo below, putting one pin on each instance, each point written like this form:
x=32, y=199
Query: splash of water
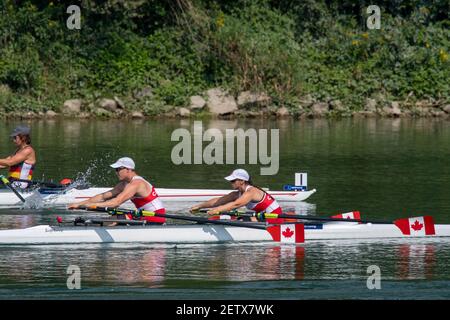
x=97, y=170
x=34, y=201
x=81, y=181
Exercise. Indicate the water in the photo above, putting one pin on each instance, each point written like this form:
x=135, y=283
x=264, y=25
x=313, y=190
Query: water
x=387, y=169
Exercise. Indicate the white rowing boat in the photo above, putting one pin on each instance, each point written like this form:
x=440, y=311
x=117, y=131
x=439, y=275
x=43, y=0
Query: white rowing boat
x=55, y=196
x=209, y=233
x=52, y=196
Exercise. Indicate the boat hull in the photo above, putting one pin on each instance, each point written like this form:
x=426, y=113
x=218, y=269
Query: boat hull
x=45, y=234
x=8, y=198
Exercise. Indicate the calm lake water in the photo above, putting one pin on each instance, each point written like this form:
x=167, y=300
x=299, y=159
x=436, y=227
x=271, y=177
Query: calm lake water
x=386, y=169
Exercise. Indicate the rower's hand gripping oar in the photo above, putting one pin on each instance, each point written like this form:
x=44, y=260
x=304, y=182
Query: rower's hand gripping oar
x=288, y=233
x=7, y=183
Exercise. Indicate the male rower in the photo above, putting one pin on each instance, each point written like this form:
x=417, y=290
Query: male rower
x=131, y=187
x=246, y=194
x=21, y=163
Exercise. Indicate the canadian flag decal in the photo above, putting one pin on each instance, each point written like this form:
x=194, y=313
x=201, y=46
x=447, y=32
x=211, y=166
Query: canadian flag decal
x=288, y=233
x=417, y=226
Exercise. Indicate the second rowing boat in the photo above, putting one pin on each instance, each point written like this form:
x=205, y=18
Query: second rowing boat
x=55, y=196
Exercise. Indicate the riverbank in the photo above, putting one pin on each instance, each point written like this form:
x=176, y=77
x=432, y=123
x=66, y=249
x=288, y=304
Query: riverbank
x=218, y=103
x=217, y=59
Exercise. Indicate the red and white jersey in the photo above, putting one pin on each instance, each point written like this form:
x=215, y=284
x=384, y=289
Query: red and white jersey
x=152, y=202
x=268, y=205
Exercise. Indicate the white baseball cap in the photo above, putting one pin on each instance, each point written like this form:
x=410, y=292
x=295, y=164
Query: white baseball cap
x=240, y=174
x=124, y=162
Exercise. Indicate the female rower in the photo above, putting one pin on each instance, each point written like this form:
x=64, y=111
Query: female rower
x=21, y=163
x=246, y=194
x=131, y=187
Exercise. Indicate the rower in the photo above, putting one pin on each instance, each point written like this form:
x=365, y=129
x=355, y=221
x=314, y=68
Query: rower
x=22, y=162
x=131, y=187
x=246, y=194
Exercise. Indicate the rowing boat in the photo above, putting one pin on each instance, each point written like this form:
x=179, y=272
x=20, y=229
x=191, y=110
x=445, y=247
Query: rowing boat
x=206, y=233
x=59, y=196
x=62, y=195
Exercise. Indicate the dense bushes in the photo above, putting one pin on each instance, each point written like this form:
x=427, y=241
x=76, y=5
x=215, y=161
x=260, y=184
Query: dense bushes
x=181, y=48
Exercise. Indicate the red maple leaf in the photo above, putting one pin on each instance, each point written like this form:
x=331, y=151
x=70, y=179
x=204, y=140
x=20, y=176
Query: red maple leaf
x=288, y=233
x=417, y=226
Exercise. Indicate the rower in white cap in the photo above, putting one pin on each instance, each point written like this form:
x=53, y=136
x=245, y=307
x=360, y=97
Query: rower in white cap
x=21, y=163
x=246, y=194
x=131, y=187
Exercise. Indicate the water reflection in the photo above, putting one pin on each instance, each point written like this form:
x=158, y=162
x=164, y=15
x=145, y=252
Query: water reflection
x=153, y=266
x=147, y=268
x=416, y=261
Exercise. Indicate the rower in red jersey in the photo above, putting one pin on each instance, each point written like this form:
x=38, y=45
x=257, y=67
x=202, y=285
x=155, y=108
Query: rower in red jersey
x=246, y=194
x=131, y=187
x=20, y=165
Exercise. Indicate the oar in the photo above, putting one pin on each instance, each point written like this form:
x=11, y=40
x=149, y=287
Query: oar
x=95, y=220
x=80, y=220
x=41, y=183
x=262, y=215
x=9, y=186
x=143, y=213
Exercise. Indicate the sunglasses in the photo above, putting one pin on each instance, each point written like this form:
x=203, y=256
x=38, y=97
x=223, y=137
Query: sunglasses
x=120, y=168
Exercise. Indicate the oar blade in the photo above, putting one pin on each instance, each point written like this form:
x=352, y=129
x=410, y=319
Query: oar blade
x=353, y=215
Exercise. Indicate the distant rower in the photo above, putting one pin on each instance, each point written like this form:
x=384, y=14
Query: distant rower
x=131, y=187
x=246, y=194
x=21, y=163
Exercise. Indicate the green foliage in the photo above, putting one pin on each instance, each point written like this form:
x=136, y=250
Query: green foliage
x=287, y=48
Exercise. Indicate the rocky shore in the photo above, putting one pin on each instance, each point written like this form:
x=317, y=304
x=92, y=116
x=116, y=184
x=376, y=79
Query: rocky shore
x=219, y=103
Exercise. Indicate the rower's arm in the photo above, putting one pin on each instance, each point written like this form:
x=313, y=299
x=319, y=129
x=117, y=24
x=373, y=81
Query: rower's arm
x=15, y=159
x=128, y=192
x=214, y=202
x=100, y=198
x=231, y=205
x=4, y=167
